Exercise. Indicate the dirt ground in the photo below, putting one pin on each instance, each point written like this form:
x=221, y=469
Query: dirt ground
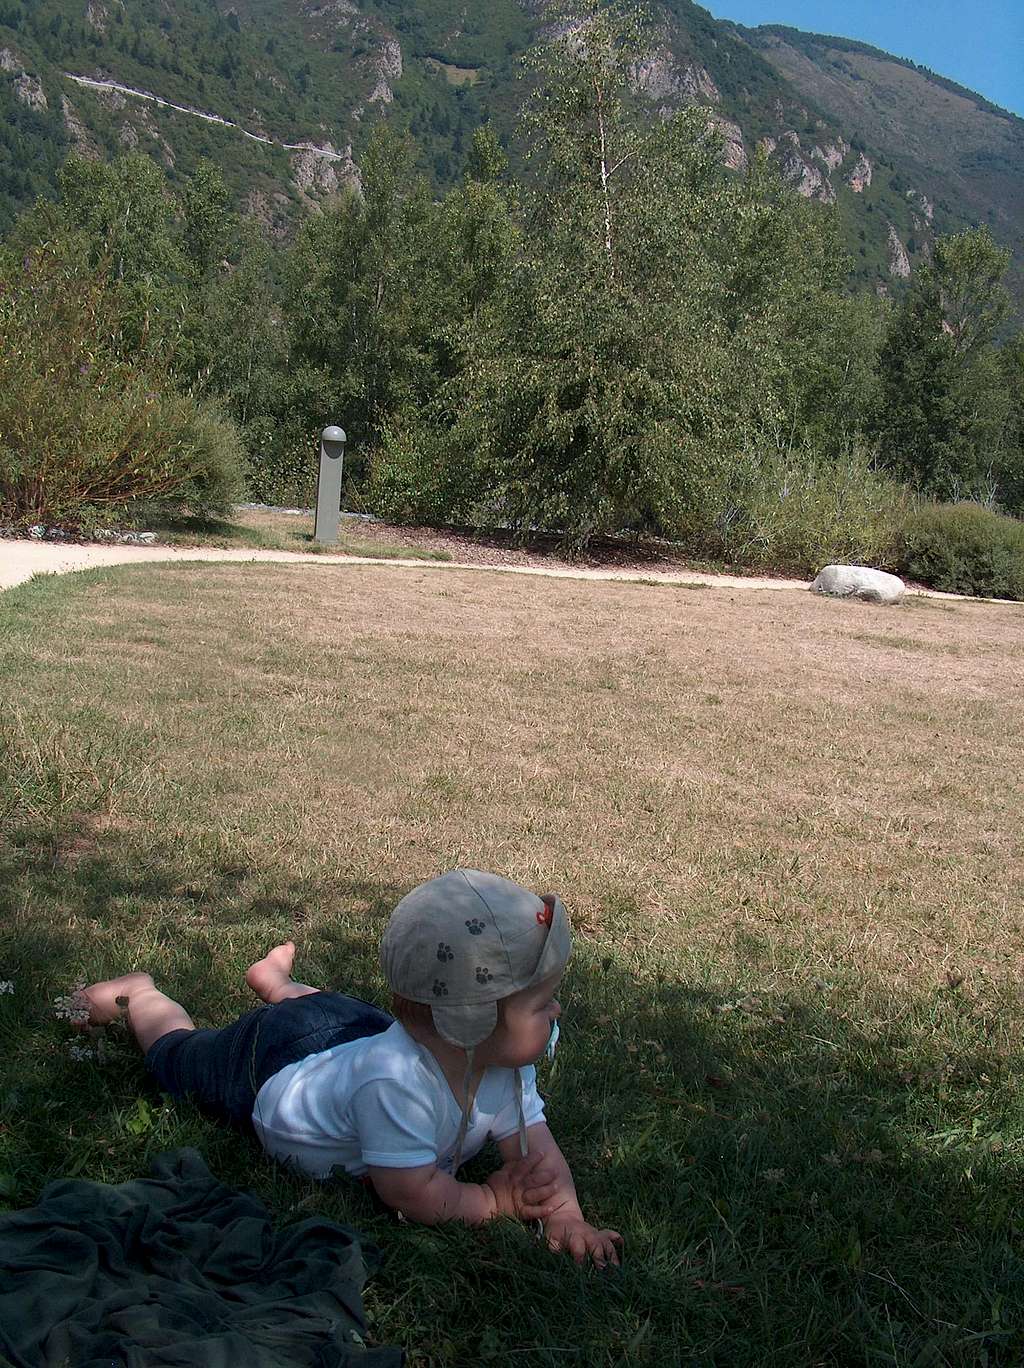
x=496, y=548
x=21, y=560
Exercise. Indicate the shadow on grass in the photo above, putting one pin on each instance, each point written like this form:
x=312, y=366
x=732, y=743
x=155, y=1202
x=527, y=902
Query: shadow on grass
x=210, y=531
x=219, y=532
x=782, y=1181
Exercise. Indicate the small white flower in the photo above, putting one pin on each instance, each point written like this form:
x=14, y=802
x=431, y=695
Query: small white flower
x=6, y=986
x=80, y=1052
x=72, y=1007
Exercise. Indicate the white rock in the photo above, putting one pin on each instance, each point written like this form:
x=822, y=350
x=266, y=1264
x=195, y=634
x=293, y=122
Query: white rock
x=29, y=91
x=861, y=174
x=832, y=154
x=734, y=154
x=389, y=68
x=859, y=581
x=899, y=262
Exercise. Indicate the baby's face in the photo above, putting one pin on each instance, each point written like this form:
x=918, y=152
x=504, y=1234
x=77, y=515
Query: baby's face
x=524, y=1025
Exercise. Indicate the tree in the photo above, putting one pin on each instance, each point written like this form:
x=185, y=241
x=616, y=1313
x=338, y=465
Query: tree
x=944, y=403
x=969, y=268
x=801, y=352
x=235, y=339
x=355, y=299
x=584, y=403
x=916, y=422
x=640, y=326
x=127, y=215
x=1011, y=456
x=127, y=436
x=193, y=283
x=474, y=241
x=417, y=472
x=121, y=216
x=211, y=225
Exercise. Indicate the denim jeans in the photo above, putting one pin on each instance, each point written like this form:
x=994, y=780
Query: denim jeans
x=223, y=1070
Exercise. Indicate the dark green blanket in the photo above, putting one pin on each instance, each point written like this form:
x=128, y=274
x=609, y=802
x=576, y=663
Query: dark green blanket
x=177, y=1269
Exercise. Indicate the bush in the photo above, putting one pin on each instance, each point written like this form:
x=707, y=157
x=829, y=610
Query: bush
x=964, y=548
x=88, y=433
x=796, y=511
x=281, y=463
x=210, y=461
x=422, y=475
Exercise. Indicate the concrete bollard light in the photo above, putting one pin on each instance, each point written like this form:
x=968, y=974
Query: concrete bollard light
x=328, y=485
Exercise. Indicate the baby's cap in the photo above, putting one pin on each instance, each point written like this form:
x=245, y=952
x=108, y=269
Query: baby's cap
x=465, y=940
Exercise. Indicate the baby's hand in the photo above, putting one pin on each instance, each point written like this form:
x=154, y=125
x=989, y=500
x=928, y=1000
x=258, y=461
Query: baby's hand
x=572, y=1234
x=525, y=1188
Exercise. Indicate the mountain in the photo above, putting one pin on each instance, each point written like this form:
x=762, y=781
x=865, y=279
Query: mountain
x=958, y=157
x=283, y=94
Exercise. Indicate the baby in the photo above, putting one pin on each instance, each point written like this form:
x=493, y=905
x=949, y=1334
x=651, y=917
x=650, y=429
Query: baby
x=328, y=1081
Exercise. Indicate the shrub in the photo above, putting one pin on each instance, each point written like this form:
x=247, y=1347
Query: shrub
x=422, y=475
x=964, y=548
x=281, y=463
x=87, y=433
x=210, y=462
x=796, y=511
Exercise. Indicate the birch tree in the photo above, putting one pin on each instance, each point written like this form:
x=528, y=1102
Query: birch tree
x=586, y=402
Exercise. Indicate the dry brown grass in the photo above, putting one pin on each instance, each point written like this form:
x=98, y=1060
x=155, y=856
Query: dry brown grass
x=262, y=527
x=787, y=831
x=750, y=773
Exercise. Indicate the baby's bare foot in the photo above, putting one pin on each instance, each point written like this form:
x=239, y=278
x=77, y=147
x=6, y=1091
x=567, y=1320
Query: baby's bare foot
x=107, y=1000
x=271, y=972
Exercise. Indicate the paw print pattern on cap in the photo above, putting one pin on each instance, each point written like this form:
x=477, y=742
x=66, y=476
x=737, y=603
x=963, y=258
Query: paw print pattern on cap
x=474, y=926
x=440, y=988
x=483, y=975
x=444, y=952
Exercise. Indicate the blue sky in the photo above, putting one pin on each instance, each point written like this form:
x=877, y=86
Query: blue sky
x=979, y=43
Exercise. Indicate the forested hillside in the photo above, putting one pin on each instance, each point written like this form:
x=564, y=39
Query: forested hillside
x=903, y=153
x=957, y=156
x=660, y=301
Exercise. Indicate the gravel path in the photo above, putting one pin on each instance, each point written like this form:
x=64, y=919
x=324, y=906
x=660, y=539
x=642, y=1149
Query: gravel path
x=20, y=560
x=330, y=153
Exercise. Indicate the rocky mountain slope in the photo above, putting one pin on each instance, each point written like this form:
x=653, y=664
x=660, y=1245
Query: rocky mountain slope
x=283, y=94
x=957, y=157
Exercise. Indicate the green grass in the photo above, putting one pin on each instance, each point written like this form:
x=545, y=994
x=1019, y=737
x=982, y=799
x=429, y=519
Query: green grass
x=788, y=1064
x=454, y=75
x=280, y=532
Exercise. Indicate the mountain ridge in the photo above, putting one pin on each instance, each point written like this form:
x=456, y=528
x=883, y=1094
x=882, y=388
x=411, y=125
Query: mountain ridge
x=836, y=115
x=839, y=42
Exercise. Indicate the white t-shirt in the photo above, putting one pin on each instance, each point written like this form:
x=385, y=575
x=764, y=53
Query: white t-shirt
x=384, y=1102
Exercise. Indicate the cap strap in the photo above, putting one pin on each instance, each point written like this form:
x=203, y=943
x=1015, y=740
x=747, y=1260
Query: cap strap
x=460, y=1139
x=524, y=1145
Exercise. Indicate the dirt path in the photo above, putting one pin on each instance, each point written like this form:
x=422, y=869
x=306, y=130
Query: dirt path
x=329, y=153
x=20, y=560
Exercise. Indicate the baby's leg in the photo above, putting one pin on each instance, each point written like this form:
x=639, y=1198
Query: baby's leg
x=270, y=978
x=150, y=1013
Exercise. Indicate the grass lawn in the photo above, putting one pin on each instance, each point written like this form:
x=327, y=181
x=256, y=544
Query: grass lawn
x=275, y=531
x=787, y=831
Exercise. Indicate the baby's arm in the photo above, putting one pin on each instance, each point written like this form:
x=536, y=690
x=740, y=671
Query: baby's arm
x=429, y=1196
x=564, y=1226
